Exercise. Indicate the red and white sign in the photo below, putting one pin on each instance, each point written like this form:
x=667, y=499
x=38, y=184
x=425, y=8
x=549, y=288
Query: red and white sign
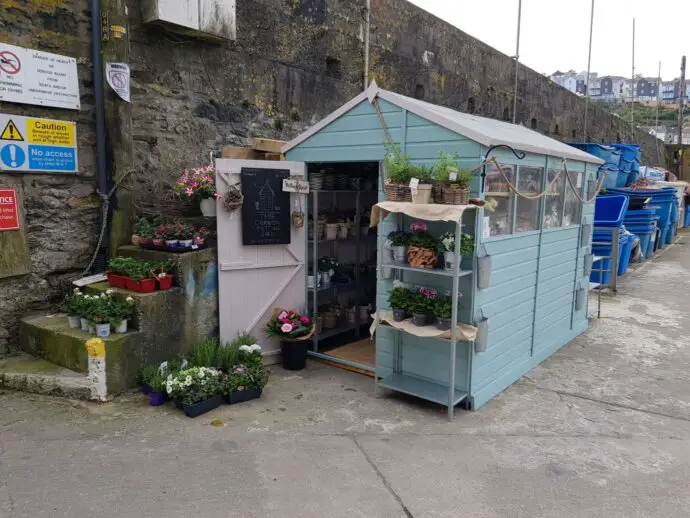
x=9, y=213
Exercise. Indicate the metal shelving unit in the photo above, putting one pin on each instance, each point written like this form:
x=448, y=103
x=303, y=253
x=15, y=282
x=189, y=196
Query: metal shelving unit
x=449, y=394
x=315, y=243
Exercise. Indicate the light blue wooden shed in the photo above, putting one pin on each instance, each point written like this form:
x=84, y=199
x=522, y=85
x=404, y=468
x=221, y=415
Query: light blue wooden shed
x=538, y=249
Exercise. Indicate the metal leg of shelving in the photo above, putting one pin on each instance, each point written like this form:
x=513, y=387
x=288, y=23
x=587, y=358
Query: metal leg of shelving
x=454, y=322
x=315, y=263
x=614, y=259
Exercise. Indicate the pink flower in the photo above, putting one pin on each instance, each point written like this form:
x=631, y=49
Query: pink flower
x=188, y=191
x=240, y=389
x=283, y=315
x=419, y=227
x=216, y=195
x=286, y=328
x=305, y=320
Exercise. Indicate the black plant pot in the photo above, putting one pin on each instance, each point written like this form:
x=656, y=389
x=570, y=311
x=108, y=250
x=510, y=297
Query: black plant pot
x=399, y=315
x=443, y=324
x=201, y=407
x=241, y=396
x=294, y=355
x=419, y=319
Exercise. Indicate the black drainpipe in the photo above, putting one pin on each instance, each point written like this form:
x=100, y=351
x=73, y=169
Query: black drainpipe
x=99, y=107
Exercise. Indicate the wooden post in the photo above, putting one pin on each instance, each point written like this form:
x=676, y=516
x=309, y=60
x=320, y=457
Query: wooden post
x=118, y=121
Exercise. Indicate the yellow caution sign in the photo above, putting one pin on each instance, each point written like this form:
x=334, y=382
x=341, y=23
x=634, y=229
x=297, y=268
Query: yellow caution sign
x=50, y=132
x=11, y=133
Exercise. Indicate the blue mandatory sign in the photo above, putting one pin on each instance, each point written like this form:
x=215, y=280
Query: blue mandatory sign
x=52, y=158
x=12, y=156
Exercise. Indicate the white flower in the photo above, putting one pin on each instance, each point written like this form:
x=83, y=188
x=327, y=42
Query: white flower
x=203, y=382
x=77, y=291
x=245, y=348
x=103, y=295
x=129, y=299
x=108, y=292
x=255, y=347
x=188, y=380
x=202, y=374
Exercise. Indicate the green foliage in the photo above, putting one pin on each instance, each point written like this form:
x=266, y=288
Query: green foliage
x=229, y=354
x=448, y=164
x=447, y=241
x=144, y=228
x=399, y=238
x=151, y=376
x=399, y=298
x=194, y=385
x=443, y=306
x=423, y=240
x=242, y=377
x=204, y=354
x=397, y=165
x=139, y=269
x=423, y=173
x=421, y=303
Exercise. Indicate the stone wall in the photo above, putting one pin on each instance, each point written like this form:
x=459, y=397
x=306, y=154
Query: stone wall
x=61, y=210
x=293, y=62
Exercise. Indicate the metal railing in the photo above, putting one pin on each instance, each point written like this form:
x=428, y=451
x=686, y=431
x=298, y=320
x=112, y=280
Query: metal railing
x=613, y=263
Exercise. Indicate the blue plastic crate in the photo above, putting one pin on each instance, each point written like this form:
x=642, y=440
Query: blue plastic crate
x=610, y=210
x=608, y=154
x=611, y=178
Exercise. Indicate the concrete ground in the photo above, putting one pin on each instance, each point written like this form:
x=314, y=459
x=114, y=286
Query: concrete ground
x=600, y=429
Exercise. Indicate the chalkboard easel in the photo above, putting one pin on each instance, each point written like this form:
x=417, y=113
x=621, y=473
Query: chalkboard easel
x=266, y=208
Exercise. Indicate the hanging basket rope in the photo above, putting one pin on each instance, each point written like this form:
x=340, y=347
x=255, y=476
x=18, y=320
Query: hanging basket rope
x=494, y=161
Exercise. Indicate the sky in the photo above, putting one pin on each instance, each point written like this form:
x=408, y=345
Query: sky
x=554, y=34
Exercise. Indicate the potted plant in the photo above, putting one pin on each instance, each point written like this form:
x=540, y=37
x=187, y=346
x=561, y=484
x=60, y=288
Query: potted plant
x=443, y=309
x=293, y=330
x=331, y=227
x=84, y=312
x=399, y=239
x=152, y=381
x=246, y=380
x=398, y=169
x=200, y=186
x=185, y=235
x=399, y=301
x=117, y=271
x=455, y=182
x=196, y=390
x=447, y=241
x=120, y=312
x=141, y=277
x=74, y=304
x=422, y=249
x=200, y=236
x=422, y=306
x=99, y=313
x=422, y=194
x=143, y=232
x=327, y=268
x=159, y=235
x=172, y=235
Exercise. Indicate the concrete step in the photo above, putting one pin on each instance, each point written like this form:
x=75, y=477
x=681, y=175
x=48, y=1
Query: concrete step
x=29, y=374
x=50, y=338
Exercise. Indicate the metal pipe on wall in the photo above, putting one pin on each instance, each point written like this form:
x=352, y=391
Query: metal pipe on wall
x=367, y=27
x=517, y=61
x=589, y=67
x=99, y=107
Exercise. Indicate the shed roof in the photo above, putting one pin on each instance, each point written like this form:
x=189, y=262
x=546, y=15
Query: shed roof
x=488, y=132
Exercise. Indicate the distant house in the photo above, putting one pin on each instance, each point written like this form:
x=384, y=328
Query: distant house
x=613, y=88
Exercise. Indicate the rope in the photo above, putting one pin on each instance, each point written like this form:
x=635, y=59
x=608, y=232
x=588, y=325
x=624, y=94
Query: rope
x=493, y=160
x=105, y=207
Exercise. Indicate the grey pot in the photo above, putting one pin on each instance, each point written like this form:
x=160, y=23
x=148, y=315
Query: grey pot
x=419, y=319
x=579, y=299
x=483, y=272
x=399, y=314
x=588, y=264
x=400, y=254
x=443, y=323
x=482, y=336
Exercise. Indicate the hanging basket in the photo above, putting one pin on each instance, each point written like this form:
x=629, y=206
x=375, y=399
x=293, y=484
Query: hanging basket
x=422, y=257
x=233, y=199
x=455, y=195
x=397, y=192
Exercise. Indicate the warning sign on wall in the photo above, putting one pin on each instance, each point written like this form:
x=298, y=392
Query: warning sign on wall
x=9, y=213
x=37, y=145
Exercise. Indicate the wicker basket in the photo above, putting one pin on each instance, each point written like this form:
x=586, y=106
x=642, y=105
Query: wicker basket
x=437, y=193
x=425, y=258
x=455, y=195
x=397, y=192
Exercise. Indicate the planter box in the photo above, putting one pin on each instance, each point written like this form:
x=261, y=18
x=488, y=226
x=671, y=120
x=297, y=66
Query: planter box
x=143, y=286
x=165, y=283
x=201, y=407
x=117, y=281
x=242, y=396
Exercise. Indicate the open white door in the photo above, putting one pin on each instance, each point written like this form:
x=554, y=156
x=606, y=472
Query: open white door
x=254, y=279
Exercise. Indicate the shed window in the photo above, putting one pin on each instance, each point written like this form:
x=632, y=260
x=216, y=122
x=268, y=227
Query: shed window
x=530, y=182
x=553, y=213
x=501, y=220
x=571, y=212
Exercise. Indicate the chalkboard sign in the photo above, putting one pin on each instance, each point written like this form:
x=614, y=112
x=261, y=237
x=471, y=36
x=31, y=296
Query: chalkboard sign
x=266, y=208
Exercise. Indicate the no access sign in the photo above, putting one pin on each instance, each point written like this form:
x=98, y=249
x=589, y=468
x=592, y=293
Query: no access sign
x=37, y=145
